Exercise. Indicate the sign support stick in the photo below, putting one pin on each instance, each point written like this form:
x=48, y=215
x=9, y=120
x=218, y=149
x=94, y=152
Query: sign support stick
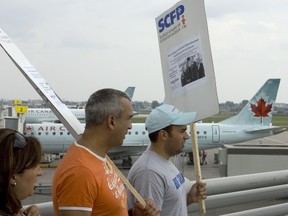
x=197, y=167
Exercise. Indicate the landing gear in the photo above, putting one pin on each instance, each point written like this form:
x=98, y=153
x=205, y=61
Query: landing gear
x=216, y=160
x=190, y=160
x=127, y=163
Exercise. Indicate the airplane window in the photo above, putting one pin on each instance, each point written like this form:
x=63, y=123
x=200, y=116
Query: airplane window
x=47, y=133
x=136, y=132
x=129, y=132
x=68, y=133
x=198, y=132
x=143, y=132
x=39, y=133
x=61, y=133
x=32, y=134
x=54, y=133
x=205, y=132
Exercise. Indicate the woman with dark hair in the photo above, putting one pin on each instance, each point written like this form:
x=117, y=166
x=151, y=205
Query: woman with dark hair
x=20, y=157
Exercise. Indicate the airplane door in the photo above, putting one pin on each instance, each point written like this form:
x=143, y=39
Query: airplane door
x=215, y=133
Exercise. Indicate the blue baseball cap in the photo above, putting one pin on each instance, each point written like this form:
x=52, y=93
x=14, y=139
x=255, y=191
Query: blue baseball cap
x=166, y=115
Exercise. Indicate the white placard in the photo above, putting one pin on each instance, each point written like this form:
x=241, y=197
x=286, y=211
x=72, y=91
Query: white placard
x=186, y=59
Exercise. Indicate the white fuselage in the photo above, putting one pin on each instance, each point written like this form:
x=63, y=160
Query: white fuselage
x=55, y=138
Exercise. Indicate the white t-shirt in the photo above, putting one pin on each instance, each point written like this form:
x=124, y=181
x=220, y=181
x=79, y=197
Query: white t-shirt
x=156, y=178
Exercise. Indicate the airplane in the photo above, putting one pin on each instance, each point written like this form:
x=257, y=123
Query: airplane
x=40, y=115
x=252, y=122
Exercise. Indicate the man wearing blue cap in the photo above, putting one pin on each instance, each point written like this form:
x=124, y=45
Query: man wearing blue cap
x=153, y=175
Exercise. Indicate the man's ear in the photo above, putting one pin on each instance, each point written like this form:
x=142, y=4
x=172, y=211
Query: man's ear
x=163, y=134
x=111, y=122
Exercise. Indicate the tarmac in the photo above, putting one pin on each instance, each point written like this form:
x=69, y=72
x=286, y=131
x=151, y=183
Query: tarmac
x=210, y=170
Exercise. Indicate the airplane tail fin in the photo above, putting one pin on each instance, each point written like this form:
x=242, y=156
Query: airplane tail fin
x=130, y=92
x=260, y=108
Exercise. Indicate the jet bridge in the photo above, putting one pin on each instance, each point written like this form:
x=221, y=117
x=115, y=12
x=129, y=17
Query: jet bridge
x=247, y=159
x=12, y=117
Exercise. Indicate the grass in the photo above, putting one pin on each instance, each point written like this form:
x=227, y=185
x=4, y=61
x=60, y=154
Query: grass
x=280, y=120
x=139, y=120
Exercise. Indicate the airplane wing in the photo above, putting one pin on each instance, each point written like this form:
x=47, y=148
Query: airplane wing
x=273, y=129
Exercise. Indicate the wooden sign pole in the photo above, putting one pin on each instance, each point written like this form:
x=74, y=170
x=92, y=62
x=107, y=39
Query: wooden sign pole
x=197, y=167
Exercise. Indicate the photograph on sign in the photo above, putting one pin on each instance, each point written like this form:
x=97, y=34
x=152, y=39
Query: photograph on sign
x=185, y=66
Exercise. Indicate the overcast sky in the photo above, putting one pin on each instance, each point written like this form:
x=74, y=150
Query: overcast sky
x=82, y=46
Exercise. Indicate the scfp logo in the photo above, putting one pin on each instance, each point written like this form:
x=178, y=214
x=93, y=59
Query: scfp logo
x=170, y=18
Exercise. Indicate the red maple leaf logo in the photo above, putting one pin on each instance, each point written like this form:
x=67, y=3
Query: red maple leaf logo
x=261, y=110
x=29, y=129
